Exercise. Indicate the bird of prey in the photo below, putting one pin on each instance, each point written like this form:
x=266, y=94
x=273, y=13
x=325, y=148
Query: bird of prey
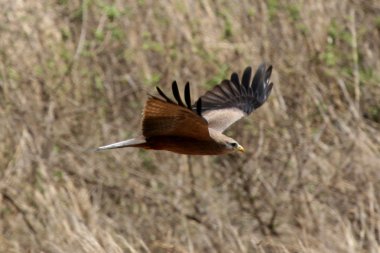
x=197, y=129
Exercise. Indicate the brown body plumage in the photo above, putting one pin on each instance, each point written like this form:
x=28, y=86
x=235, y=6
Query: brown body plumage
x=183, y=145
x=198, y=129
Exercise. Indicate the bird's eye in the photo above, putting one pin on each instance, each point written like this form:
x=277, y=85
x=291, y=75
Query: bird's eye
x=233, y=144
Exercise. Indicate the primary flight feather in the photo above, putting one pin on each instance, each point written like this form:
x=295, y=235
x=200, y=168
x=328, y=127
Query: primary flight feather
x=197, y=129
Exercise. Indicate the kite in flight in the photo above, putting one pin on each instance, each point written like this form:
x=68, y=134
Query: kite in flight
x=197, y=129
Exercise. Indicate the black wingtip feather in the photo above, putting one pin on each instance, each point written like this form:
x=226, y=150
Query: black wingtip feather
x=246, y=78
x=269, y=71
x=199, y=107
x=258, y=78
x=187, y=95
x=176, y=94
x=235, y=79
x=162, y=94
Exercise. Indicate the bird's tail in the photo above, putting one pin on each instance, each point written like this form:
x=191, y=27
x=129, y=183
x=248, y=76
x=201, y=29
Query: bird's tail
x=122, y=144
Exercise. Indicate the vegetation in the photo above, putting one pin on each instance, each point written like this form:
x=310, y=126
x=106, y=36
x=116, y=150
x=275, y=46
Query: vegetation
x=74, y=75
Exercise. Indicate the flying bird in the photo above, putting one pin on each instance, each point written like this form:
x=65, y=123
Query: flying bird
x=197, y=129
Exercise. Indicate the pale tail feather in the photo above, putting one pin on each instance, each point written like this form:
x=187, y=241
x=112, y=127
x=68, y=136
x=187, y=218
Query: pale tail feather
x=123, y=144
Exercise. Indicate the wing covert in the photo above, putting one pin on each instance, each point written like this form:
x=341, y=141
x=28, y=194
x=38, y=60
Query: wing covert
x=164, y=117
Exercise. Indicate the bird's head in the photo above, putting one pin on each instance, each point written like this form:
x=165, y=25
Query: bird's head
x=229, y=144
x=234, y=146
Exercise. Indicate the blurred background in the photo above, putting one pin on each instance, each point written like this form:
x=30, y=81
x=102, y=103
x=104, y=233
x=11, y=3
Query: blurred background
x=75, y=75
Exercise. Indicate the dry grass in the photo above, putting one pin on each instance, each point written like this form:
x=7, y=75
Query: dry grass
x=74, y=75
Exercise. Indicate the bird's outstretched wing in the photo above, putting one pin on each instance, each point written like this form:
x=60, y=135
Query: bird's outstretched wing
x=164, y=117
x=232, y=99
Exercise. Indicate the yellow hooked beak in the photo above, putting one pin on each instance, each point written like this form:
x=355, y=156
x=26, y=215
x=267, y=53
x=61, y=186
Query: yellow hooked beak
x=240, y=148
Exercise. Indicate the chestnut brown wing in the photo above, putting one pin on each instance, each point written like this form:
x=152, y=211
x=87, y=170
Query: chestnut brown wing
x=163, y=118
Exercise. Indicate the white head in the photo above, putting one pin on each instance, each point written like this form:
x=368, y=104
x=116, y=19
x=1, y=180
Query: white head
x=230, y=144
x=234, y=146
